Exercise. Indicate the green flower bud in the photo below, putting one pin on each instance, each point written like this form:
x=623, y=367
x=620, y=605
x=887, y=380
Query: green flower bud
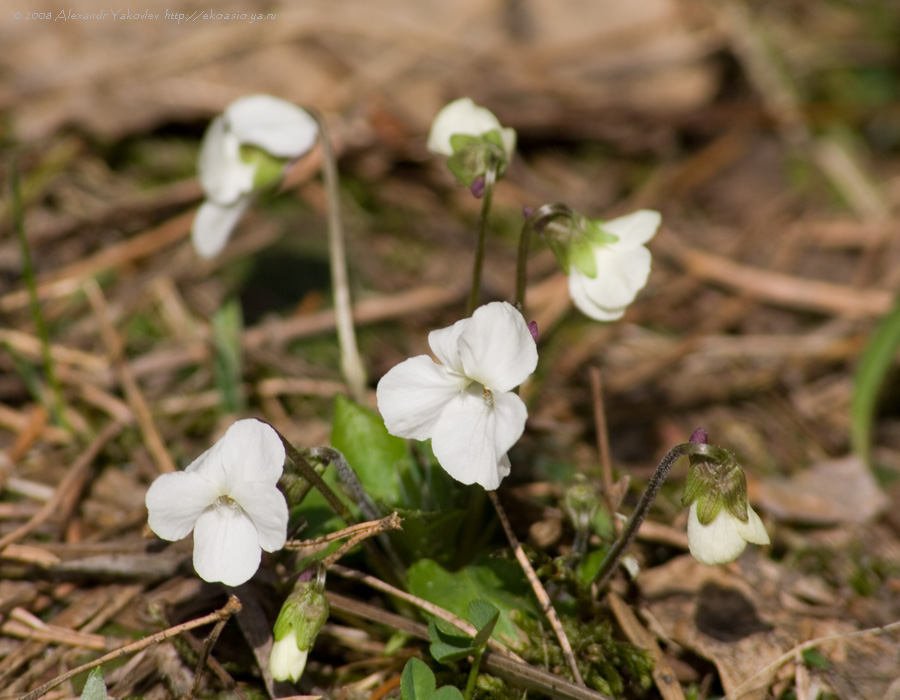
x=301, y=617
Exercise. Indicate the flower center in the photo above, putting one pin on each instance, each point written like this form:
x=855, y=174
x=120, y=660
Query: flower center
x=226, y=506
x=488, y=397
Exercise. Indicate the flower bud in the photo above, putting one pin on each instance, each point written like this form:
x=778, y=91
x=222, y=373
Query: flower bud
x=721, y=521
x=301, y=617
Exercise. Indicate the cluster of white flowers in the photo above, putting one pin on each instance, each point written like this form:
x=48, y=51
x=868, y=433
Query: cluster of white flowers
x=465, y=403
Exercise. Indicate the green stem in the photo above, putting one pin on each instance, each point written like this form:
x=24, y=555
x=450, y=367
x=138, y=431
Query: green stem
x=56, y=403
x=490, y=178
x=473, y=674
x=351, y=362
x=536, y=222
x=608, y=566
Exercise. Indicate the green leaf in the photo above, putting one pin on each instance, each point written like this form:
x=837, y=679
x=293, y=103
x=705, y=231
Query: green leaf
x=447, y=692
x=378, y=457
x=813, y=658
x=876, y=360
x=425, y=534
x=449, y=644
x=95, y=687
x=497, y=581
x=484, y=616
x=417, y=681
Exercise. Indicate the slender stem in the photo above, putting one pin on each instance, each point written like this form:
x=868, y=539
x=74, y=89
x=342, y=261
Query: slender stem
x=628, y=534
x=473, y=674
x=522, y=263
x=57, y=403
x=490, y=178
x=351, y=362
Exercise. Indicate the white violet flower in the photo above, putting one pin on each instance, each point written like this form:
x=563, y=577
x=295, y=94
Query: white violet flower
x=465, y=403
x=229, y=497
x=243, y=149
x=723, y=539
x=463, y=116
x=622, y=267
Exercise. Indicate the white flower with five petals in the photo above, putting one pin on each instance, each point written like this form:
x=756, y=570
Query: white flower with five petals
x=230, y=174
x=622, y=267
x=229, y=497
x=722, y=540
x=465, y=403
x=463, y=116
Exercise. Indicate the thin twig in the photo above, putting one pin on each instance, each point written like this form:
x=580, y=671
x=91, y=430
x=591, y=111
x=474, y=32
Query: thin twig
x=602, y=434
x=204, y=657
x=133, y=393
x=71, y=483
x=538, y=588
x=430, y=608
x=740, y=691
x=230, y=608
x=372, y=527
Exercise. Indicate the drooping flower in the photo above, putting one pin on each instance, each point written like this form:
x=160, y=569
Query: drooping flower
x=229, y=497
x=724, y=538
x=472, y=138
x=721, y=521
x=298, y=624
x=465, y=403
x=606, y=261
x=244, y=149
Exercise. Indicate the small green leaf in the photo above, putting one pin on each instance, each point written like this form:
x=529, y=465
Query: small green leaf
x=498, y=581
x=874, y=364
x=448, y=644
x=447, y=692
x=417, y=681
x=813, y=658
x=484, y=616
x=95, y=687
x=378, y=457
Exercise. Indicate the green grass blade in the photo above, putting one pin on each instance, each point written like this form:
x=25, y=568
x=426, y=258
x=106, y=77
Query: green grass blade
x=874, y=364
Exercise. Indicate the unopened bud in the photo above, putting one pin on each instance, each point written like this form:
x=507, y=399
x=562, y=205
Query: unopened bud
x=301, y=617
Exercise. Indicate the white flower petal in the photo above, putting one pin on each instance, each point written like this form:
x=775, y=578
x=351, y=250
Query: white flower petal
x=620, y=276
x=412, y=396
x=213, y=226
x=716, y=543
x=496, y=348
x=252, y=451
x=464, y=441
x=226, y=546
x=223, y=175
x=473, y=435
x=444, y=344
x=278, y=127
x=264, y=504
x=462, y=116
x=508, y=136
x=287, y=662
x=175, y=501
x=753, y=530
x=634, y=229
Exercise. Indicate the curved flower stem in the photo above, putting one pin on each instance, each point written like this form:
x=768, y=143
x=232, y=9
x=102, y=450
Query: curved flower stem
x=473, y=674
x=351, y=362
x=608, y=566
x=490, y=178
x=533, y=224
